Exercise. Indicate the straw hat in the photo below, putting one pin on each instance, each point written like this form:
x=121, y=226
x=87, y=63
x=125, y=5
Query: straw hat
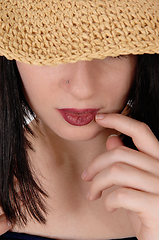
x=50, y=32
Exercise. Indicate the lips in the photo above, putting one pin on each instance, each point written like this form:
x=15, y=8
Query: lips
x=78, y=117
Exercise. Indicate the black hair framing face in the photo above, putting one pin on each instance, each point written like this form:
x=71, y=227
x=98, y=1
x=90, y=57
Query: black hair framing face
x=14, y=162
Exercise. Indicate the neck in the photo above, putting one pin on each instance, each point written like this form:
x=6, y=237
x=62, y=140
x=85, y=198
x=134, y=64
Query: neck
x=58, y=164
x=57, y=154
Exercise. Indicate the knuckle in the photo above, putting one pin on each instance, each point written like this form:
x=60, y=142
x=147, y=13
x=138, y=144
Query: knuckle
x=121, y=194
x=118, y=151
x=115, y=169
x=92, y=168
x=137, y=126
x=143, y=127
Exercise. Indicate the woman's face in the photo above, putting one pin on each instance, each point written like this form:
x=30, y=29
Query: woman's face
x=66, y=97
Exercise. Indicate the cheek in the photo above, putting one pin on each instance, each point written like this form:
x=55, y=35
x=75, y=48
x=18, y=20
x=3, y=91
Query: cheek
x=126, y=78
x=33, y=82
x=37, y=95
x=32, y=89
x=119, y=90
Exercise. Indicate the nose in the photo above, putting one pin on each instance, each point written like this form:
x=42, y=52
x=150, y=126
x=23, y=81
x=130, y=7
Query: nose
x=79, y=80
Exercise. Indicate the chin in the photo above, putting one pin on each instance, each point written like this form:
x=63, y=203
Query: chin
x=82, y=133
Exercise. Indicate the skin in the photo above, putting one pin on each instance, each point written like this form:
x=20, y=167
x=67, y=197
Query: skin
x=135, y=172
x=131, y=175
x=4, y=224
x=101, y=84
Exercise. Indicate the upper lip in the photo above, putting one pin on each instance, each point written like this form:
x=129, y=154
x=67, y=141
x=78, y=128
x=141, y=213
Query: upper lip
x=80, y=111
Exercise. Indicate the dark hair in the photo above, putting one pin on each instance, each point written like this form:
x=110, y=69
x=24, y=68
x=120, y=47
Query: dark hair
x=14, y=161
x=17, y=180
x=144, y=96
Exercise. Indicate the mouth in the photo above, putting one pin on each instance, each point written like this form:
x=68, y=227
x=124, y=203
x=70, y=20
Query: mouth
x=78, y=117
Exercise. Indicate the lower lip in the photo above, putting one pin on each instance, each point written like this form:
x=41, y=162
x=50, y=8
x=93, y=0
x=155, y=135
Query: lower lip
x=78, y=117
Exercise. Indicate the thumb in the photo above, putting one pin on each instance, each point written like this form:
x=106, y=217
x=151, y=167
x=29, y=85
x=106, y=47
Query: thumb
x=113, y=141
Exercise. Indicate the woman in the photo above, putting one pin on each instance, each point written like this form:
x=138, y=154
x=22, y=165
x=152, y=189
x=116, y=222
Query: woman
x=78, y=68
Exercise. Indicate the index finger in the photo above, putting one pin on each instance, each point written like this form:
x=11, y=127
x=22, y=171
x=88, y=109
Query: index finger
x=141, y=134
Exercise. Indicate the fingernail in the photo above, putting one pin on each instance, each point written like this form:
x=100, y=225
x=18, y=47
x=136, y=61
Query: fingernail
x=100, y=116
x=9, y=224
x=112, y=135
x=84, y=174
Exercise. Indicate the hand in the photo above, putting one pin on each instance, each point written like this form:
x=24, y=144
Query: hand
x=136, y=173
x=4, y=224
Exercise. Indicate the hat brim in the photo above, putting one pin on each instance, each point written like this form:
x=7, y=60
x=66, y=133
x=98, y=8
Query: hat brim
x=54, y=32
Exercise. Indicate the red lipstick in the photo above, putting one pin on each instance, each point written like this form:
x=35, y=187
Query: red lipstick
x=78, y=117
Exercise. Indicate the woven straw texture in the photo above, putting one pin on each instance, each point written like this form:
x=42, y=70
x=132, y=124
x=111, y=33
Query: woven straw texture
x=51, y=32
